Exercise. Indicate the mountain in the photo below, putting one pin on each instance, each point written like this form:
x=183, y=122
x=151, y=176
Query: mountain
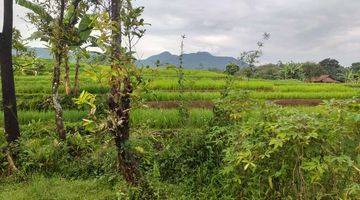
x=42, y=52
x=199, y=60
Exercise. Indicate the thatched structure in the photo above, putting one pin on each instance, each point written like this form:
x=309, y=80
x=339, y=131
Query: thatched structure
x=323, y=79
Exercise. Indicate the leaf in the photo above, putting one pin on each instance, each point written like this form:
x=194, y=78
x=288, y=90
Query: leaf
x=38, y=35
x=85, y=23
x=276, y=142
x=270, y=182
x=84, y=35
x=37, y=9
x=70, y=13
x=140, y=150
x=85, y=27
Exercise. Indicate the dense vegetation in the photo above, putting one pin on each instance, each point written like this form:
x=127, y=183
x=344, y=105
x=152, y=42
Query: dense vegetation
x=306, y=71
x=209, y=157
x=126, y=132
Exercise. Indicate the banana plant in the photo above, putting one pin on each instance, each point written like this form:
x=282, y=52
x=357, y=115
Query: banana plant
x=56, y=23
x=348, y=76
x=74, y=37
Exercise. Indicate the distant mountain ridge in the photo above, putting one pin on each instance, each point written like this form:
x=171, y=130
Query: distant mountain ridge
x=199, y=60
x=42, y=52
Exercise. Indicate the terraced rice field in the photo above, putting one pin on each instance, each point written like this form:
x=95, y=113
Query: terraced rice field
x=162, y=95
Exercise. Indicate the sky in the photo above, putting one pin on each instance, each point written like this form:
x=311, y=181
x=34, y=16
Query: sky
x=301, y=30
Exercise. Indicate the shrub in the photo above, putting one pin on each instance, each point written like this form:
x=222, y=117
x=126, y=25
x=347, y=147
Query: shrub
x=275, y=153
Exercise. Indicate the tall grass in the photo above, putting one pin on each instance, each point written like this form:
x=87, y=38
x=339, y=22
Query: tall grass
x=303, y=95
x=39, y=187
x=176, y=96
x=152, y=118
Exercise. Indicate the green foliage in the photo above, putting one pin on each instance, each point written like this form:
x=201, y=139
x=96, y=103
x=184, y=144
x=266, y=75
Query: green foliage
x=29, y=65
x=312, y=70
x=86, y=99
x=203, y=158
x=355, y=67
x=232, y=69
x=40, y=187
x=40, y=151
x=332, y=68
x=39, y=10
x=272, y=152
x=292, y=71
x=268, y=71
x=183, y=108
x=252, y=57
x=18, y=43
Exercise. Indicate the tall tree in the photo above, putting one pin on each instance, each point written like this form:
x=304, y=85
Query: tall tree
x=7, y=80
x=121, y=29
x=355, y=67
x=7, y=76
x=119, y=99
x=332, y=67
x=58, y=51
x=312, y=70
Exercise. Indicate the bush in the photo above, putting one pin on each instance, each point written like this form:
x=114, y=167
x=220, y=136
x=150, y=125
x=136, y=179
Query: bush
x=275, y=153
x=232, y=69
x=83, y=155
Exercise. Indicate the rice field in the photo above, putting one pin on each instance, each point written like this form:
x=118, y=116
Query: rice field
x=165, y=89
x=148, y=117
x=34, y=101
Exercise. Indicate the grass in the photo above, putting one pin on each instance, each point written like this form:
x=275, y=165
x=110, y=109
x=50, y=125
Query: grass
x=25, y=117
x=40, y=188
x=174, y=96
x=314, y=88
x=148, y=117
x=191, y=96
x=170, y=118
x=304, y=95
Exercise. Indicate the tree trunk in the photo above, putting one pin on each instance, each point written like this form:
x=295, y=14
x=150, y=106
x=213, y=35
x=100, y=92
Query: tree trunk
x=56, y=75
x=76, y=78
x=67, y=73
x=120, y=102
x=56, y=100
x=7, y=77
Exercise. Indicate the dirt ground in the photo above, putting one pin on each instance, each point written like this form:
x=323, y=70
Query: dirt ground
x=298, y=102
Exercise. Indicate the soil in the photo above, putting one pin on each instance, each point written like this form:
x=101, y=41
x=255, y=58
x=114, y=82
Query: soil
x=298, y=102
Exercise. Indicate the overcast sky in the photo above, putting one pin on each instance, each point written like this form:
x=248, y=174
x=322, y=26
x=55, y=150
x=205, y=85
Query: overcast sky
x=301, y=30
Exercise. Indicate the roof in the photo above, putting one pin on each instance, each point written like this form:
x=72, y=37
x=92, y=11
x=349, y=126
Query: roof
x=323, y=79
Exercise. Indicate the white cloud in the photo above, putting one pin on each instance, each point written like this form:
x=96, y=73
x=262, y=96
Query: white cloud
x=300, y=29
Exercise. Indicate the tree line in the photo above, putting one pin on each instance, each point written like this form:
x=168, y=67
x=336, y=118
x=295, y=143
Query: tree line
x=300, y=71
